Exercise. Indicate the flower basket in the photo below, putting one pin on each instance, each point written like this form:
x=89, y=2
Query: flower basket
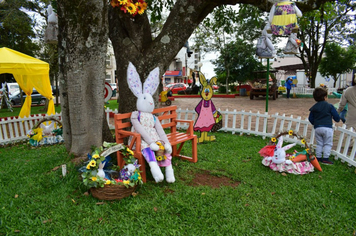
x=112, y=192
x=46, y=134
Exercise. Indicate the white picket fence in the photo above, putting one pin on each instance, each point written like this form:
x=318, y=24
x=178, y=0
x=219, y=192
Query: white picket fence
x=236, y=122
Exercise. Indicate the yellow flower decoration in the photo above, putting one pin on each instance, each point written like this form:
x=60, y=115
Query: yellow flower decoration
x=123, y=2
x=131, y=8
x=159, y=158
x=140, y=8
x=307, y=150
x=290, y=132
x=92, y=163
x=96, y=156
x=93, y=178
x=108, y=182
x=88, y=167
x=126, y=182
x=130, y=151
x=273, y=139
x=302, y=141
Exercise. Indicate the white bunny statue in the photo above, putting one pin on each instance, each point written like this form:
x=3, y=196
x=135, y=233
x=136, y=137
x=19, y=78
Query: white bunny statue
x=279, y=156
x=47, y=129
x=148, y=125
x=101, y=172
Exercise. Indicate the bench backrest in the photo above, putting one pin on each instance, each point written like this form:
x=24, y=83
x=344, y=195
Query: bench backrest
x=166, y=115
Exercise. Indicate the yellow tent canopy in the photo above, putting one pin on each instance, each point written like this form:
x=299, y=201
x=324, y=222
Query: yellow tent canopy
x=29, y=73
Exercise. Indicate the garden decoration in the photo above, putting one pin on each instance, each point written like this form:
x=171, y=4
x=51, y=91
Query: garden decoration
x=209, y=119
x=283, y=18
x=4, y=98
x=293, y=44
x=51, y=33
x=265, y=48
x=148, y=125
x=129, y=6
x=275, y=156
x=47, y=131
x=105, y=180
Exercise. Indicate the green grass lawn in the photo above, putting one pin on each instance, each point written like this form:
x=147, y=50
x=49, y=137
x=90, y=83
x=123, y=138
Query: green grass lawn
x=36, y=200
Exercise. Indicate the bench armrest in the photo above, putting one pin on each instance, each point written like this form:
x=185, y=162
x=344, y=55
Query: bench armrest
x=136, y=138
x=190, y=130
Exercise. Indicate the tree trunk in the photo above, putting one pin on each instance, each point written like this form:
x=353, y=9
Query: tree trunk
x=82, y=51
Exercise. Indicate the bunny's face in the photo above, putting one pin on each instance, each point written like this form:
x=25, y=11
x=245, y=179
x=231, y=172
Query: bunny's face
x=145, y=103
x=207, y=92
x=279, y=156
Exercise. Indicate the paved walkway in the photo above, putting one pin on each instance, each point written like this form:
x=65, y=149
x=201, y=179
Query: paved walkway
x=294, y=106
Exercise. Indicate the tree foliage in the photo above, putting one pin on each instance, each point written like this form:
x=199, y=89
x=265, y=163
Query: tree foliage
x=337, y=61
x=332, y=22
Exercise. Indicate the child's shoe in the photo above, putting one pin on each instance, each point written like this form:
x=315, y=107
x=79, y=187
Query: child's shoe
x=326, y=161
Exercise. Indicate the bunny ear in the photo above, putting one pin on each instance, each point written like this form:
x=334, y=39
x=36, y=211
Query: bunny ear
x=202, y=79
x=102, y=164
x=289, y=146
x=213, y=80
x=133, y=80
x=151, y=84
x=280, y=142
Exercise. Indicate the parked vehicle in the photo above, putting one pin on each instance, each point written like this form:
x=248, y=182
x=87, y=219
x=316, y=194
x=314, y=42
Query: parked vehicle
x=37, y=98
x=175, y=87
x=215, y=88
x=13, y=88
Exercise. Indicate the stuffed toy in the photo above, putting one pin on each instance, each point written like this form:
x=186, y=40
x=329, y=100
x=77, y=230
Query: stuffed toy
x=148, y=125
x=51, y=33
x=265, y=48
x=208, y=116
x=277, y=160
x=47, y=129
x=293, y=44
x=283, y=18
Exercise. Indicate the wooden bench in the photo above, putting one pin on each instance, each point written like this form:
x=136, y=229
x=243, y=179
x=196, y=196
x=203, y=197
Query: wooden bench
x=168, y=118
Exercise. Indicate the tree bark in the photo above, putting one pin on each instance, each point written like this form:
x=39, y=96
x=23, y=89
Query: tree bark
x=82, y=50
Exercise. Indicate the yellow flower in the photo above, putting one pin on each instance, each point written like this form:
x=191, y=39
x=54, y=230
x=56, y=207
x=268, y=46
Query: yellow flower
x=159, y=158
x=126, y=181
x=92, y=163
x=93, y=178
x=131, y=8
x=123, y=2
x=96, y=156
x=140, y=8
x=130, y=151
x=273, y=139
x=139, y=177
x=88, y=167
x=307, y=150
x=290, y=132
x=108, y=182
x=302, y=141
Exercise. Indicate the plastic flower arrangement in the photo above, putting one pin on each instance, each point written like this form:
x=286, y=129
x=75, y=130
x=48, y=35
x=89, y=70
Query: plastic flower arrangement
x=160, y=153
x=95, y=176
x=133, y=8
x=42, y=134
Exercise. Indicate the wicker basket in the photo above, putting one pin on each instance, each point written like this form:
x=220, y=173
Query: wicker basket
x=112, y=192
x=46, y=119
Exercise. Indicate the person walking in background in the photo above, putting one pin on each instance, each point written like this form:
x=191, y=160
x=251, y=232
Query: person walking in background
x=349, y=97
x=321, y=115
x=289, y=83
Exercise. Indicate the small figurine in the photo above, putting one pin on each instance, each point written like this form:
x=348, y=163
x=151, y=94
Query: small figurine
x=293, y=44
x=265, y=48
x=283, y=18
x=51, y=34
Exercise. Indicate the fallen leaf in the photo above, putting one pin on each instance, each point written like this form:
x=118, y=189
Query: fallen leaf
x=134, y=194
x=46, y=221
x=17, y=231
x=16, y=195
x=218, y=160
x=100, y=219
x=284, y=174
x=202, y=193
x=155, y=209
x=86, y=193
x=247, y=204
x=320, y=177
x=100, y=203
x=73, y=200
x=324, y=206
x=331, y=191
x=273, y=193
x=247, y=160
x=55, y=168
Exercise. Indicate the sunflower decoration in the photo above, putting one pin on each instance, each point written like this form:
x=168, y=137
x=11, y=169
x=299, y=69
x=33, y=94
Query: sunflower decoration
x=160, y=153
x=291, y=133
x=130, y=6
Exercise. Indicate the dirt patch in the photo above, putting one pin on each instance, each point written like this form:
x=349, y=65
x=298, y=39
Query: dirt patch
x=205, y=178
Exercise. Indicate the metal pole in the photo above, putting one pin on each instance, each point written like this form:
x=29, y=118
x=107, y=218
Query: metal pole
x=267, y=90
